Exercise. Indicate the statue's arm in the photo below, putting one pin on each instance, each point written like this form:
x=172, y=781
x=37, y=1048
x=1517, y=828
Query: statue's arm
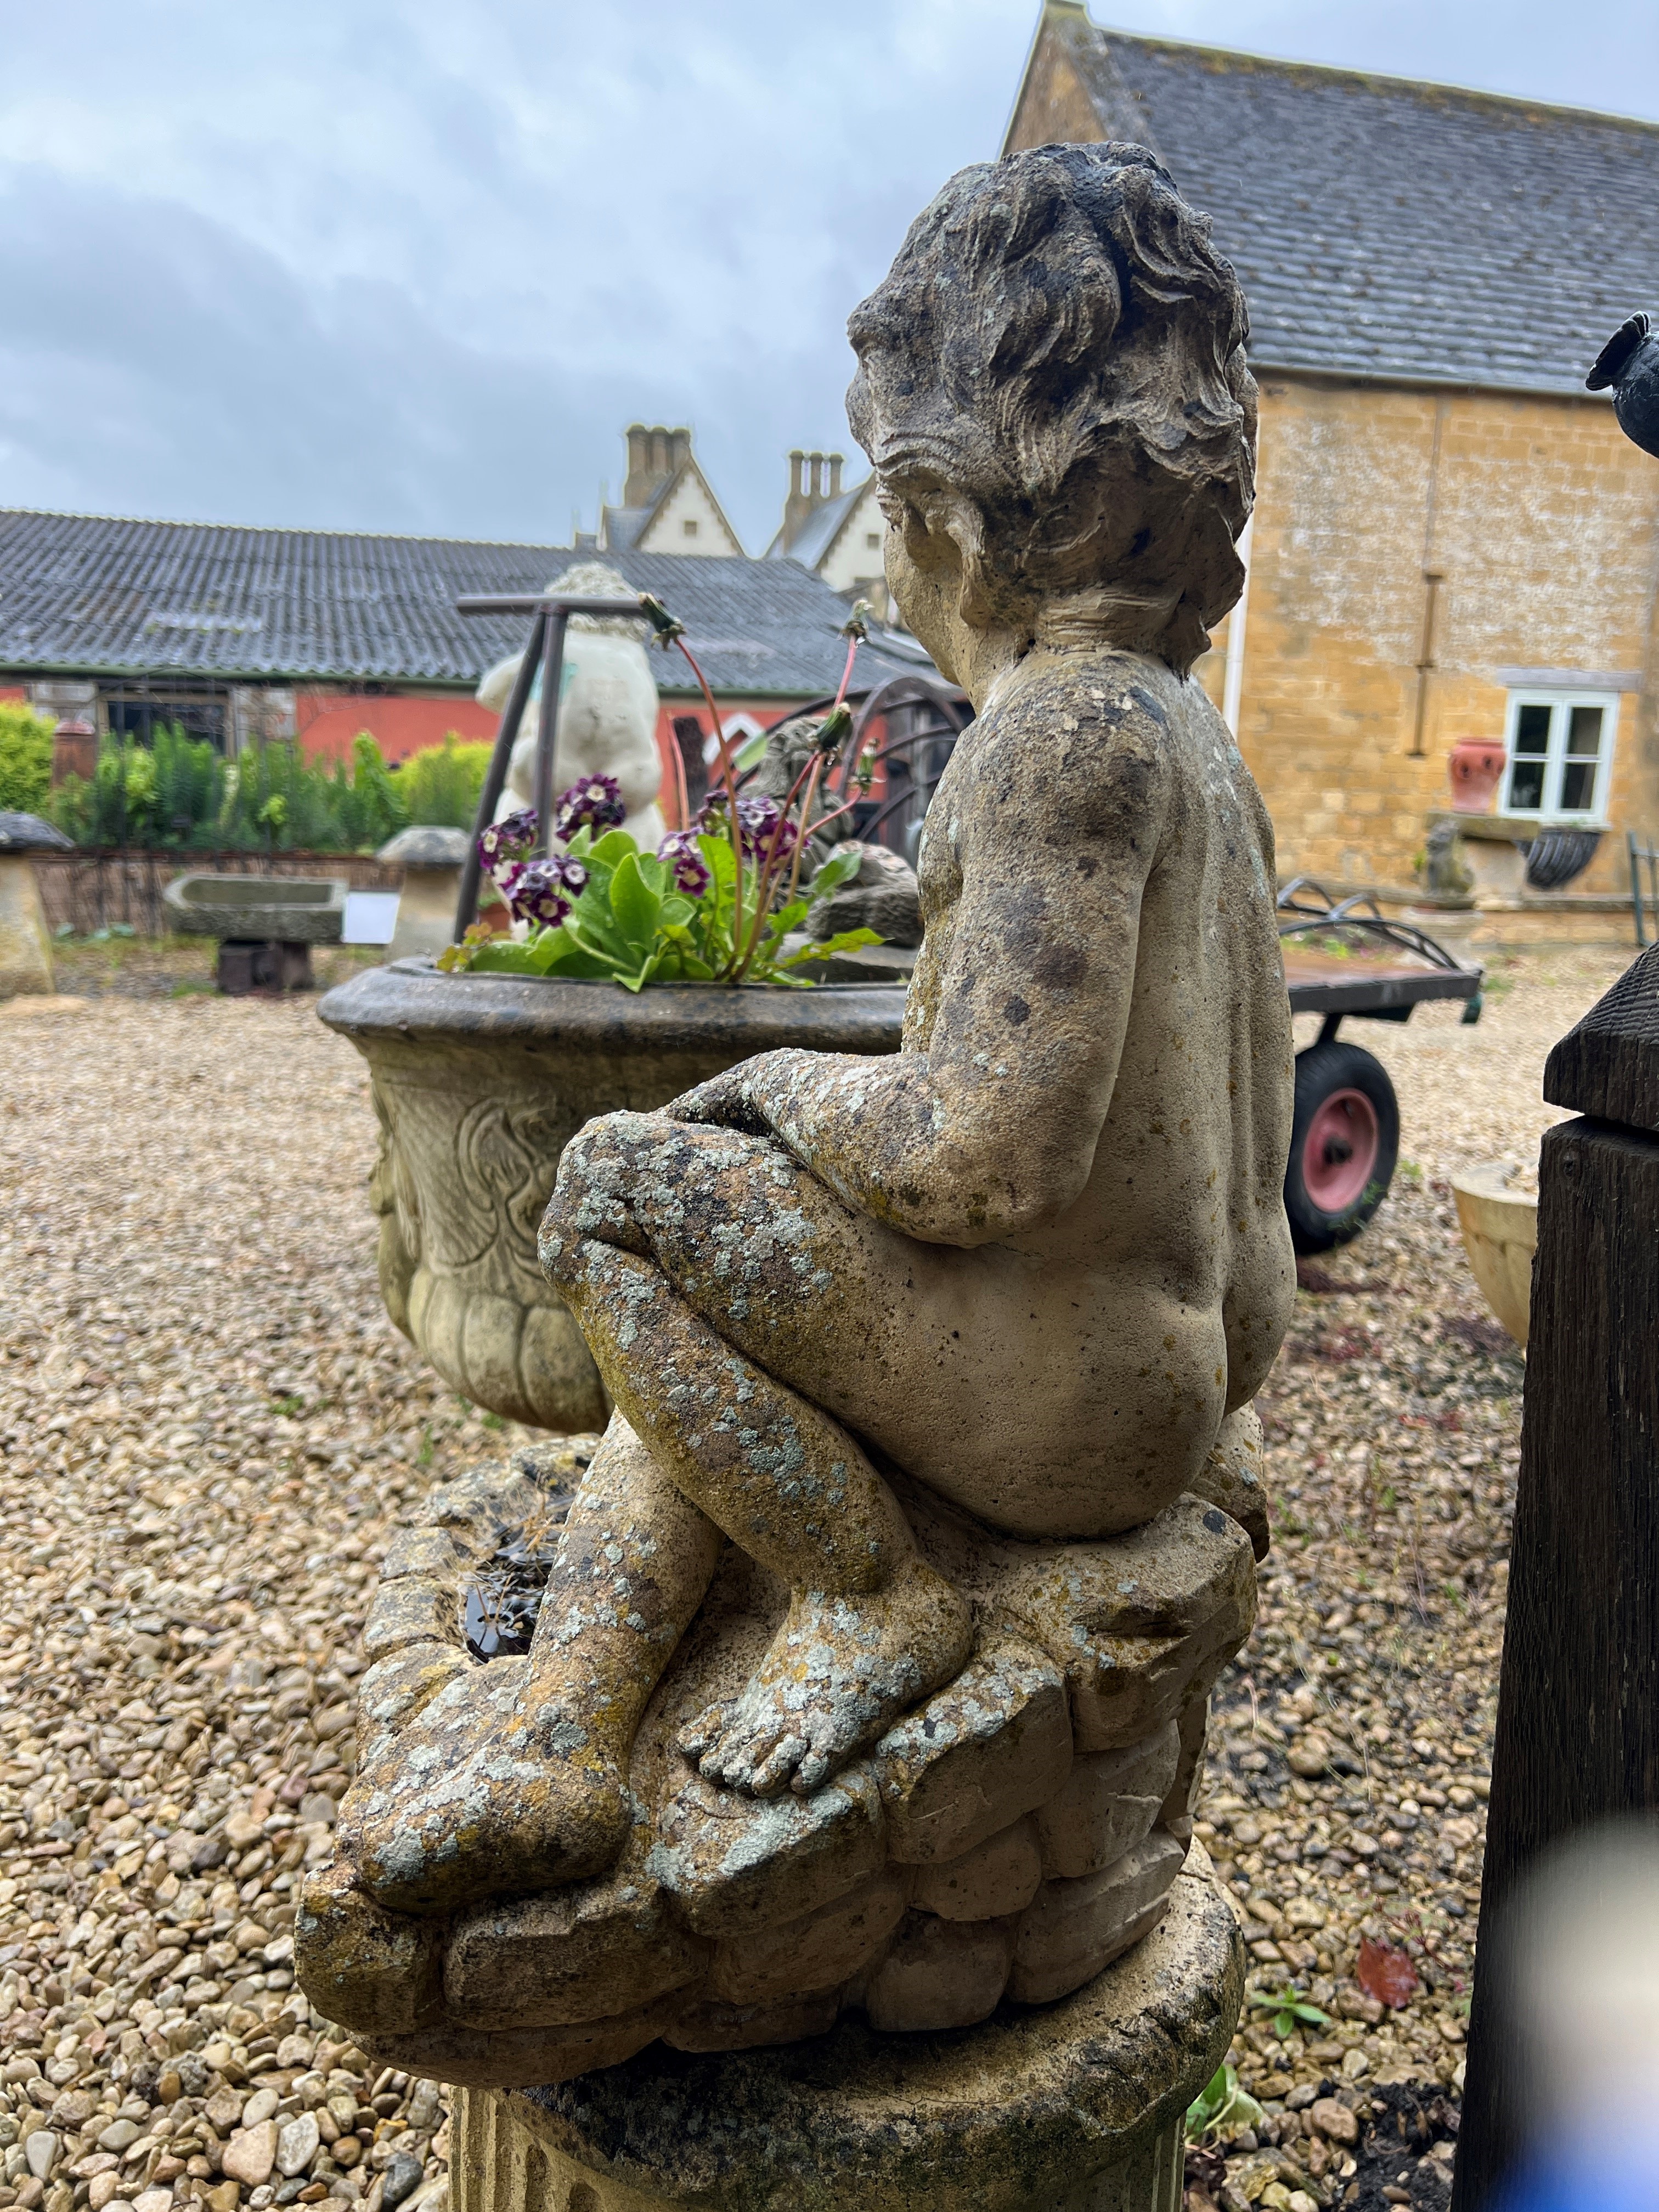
x=991, y=1129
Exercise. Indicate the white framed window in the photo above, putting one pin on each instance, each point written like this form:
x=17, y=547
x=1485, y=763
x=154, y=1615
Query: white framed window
x=1560, y=754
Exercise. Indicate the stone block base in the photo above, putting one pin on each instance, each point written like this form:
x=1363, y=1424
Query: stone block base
x=1076, y=2108
x=276, y=966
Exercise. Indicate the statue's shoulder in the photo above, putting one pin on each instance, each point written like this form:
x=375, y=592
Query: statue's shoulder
x=1109, y=694
x=1081, y=730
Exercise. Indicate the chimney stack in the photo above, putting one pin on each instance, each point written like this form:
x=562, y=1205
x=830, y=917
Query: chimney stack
x=654, y=453
x=813, y=478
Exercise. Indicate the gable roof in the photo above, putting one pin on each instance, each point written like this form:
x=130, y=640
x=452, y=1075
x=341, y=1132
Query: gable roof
x=96, y=595
x=818, y=533
x=622, y=528
x=1381, y=227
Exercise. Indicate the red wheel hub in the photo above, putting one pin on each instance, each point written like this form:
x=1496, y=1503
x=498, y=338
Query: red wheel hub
x=1339, y=1151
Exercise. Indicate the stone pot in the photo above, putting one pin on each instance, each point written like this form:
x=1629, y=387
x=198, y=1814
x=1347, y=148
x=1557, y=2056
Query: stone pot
x=1475, y=768
x=1500, y=1235
x=479, y=1083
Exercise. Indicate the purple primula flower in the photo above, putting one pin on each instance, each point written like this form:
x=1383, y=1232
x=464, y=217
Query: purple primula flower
x=541, y=891
x=593, y=802
x=761, y=824
x=679, y=849
x=510, y=840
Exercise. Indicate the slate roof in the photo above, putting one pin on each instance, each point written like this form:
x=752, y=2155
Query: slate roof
x=1384, y=228
x=817, y=534
x=94, y=595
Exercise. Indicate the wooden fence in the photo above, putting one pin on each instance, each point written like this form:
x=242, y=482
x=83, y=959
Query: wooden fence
x=102, y=890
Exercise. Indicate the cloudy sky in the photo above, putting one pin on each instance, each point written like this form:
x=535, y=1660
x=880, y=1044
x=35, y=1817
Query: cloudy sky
x=398, y=265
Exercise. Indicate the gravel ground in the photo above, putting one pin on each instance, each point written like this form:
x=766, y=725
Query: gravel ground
x=208, y=1430
x=1349, y=1763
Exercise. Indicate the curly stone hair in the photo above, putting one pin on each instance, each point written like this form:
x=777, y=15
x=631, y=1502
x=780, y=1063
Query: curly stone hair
x=1053, y=375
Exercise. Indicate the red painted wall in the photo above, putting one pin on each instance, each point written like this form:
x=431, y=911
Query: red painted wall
x=326, y=722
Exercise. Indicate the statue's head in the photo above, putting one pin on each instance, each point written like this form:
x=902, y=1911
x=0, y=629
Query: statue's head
x=1052, y=387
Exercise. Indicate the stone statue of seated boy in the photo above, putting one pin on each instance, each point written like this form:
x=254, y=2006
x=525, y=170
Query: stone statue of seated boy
x=1025, y=1267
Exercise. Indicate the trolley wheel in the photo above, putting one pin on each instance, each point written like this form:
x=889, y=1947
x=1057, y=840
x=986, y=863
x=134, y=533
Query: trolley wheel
x=1345, y=1142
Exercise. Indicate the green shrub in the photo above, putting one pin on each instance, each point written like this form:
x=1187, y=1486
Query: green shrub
x=165, y=794
x=25, y=759
x=441, y=785
x=276, y=800
x=181, y=794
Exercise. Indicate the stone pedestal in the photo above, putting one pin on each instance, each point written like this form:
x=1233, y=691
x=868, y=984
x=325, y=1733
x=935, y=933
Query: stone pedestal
x=24, y=946
x=432, y=860
x=1071, y=2107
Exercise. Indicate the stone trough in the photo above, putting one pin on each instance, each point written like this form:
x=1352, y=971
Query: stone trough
x=265, y=925
x=1005, y=1841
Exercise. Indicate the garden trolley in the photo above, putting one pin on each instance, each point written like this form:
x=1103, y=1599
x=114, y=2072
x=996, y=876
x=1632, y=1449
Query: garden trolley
x=1343, y=959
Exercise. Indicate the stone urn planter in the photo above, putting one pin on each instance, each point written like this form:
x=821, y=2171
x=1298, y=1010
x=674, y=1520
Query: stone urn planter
x=479, y=1082
x=1500, y=1234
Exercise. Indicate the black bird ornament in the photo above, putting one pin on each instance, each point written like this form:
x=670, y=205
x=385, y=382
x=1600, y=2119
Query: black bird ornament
x=1629, y=361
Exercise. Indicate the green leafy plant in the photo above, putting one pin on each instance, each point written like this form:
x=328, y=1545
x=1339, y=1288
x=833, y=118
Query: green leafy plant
x=273, y=797
x=1221, y=2104
x=25, y=759
x=602, y=909
x=1289, y=2010
x=441, y=784
x=716, y=901
x=166, y=794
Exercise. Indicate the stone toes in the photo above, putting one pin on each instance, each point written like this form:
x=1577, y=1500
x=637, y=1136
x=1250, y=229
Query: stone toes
x=723, y=1763
x=703, y=1736
x=778, y=1765
x=813, y=1770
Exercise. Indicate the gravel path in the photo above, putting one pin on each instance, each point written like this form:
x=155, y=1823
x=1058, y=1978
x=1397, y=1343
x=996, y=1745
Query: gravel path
x=208, y=1431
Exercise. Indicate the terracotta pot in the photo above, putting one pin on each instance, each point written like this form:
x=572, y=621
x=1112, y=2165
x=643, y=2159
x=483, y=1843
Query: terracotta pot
x=479, y=1083
x=1476, y=769
x=1500, y=1235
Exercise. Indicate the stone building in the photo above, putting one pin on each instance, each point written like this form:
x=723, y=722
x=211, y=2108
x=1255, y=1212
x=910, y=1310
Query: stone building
x=668, y=504
x=838, y=533
x=1452, y=538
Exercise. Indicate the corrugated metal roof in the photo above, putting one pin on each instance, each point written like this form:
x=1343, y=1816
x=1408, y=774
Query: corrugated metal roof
x=96, y=595
x=1390, y=228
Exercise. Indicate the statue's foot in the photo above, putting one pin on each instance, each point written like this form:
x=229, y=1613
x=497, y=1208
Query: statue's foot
x=482, y=1796
x=837, y=1674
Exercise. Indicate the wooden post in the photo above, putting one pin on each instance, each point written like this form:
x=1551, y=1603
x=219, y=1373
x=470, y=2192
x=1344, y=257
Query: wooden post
x=1577, y=1738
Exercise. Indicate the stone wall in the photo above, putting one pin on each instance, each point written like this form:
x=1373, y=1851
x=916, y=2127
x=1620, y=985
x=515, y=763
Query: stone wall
x=1542, y=521
x=90, y=891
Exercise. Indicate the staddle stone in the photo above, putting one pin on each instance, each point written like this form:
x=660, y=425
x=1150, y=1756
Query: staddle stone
x=1073, y=2107
x=432, y=858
